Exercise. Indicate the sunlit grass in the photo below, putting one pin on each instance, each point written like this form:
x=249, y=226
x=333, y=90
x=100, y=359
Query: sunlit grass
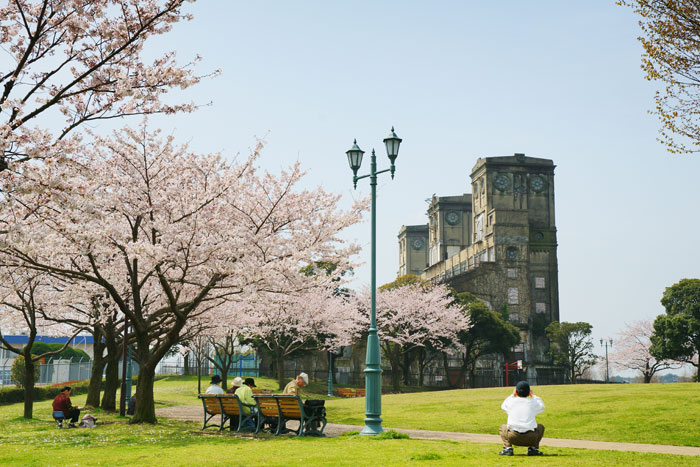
x=637, y=413
x=583, y=412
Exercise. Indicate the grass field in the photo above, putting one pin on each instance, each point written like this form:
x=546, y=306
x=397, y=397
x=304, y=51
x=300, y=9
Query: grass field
x=636, y=413
x=38, y=442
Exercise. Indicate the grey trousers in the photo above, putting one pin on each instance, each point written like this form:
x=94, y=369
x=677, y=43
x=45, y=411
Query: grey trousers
x=531, y=438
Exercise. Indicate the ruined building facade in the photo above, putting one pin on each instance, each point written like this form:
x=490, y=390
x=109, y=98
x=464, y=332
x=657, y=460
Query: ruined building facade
x=499, y=243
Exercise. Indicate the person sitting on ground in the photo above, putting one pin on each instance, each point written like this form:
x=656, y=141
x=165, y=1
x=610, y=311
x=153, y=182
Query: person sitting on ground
x=214, y=387
x=245, y=395
x=522, y=429
x=237, y=383
x=292, y=388
x=62, y=403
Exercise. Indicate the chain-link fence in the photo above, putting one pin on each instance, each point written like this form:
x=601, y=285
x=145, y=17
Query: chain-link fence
x=53, y=371
x=56, y=371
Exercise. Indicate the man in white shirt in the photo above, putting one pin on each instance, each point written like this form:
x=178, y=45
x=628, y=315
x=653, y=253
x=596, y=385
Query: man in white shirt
x=214, y=387
x=522, y=429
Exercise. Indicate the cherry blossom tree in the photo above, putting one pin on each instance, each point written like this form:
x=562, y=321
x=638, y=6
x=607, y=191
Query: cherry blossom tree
x=25, y=299
x=81, y=61
x=171, y=236
x=105, y=322
x=290, y=322
x=412, y=317
x=633, y=351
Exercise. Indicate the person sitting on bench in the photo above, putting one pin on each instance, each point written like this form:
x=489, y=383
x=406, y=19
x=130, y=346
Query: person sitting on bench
x=214, y=387
x=292, y=388
x=62, y=404
x=245, y=395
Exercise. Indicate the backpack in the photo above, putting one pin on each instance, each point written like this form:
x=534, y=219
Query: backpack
x=88, y=421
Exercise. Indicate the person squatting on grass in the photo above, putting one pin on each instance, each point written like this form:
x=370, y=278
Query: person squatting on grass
x=61, y=403
x=522, y=429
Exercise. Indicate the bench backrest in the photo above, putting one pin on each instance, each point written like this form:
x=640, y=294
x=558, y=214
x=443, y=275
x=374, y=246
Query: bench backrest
x=268, y=405
x=360, y=392
x=290, y=406
x=343, y=392
x=211, y=402
x=230, y=405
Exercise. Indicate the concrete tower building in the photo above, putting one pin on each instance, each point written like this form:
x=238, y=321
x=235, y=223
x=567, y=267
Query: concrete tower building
x=498, y=243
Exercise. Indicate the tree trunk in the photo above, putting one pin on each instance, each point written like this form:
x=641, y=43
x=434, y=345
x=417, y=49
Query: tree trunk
x=446, y=367
x=422, y=356
x=279, y=357
x=93, y=396
x=109, y=396
x=472, y=377
x=199, y=375
x=395, y=361
x=406, y=368
x=145, y=406
x=28, y=385
x=98, y=366
x=186, y=360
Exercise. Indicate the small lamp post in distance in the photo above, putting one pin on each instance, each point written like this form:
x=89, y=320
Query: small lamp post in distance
x=607, y=368
x=373, y=369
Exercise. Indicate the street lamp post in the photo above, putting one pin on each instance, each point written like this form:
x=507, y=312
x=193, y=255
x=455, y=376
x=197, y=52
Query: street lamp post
x=607, y=369
x=373, y=369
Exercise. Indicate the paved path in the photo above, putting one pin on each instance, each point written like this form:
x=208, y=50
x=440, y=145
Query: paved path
x=194, y=413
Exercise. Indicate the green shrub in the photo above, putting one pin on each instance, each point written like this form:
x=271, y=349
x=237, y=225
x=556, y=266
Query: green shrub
x=15, y=395
x=18, y=371
x=40, y=348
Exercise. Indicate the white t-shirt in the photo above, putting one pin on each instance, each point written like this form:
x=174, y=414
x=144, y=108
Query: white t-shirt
x=215, y=389
x=521, y=412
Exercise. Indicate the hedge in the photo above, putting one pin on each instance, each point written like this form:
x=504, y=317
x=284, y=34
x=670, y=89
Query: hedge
x=15, y=395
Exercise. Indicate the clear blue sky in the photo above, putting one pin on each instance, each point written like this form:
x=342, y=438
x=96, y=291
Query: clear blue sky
x=460, y=80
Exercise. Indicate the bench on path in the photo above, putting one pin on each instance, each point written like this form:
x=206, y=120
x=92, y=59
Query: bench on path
x=212, y=407
x=350, y=392
x=268, y=413
x=232, y=409
x=293, y=408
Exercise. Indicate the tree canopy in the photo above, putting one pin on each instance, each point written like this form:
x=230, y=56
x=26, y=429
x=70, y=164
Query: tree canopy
x=677, y=333
x=572, y=347
x=489, y=333
x=671, y=41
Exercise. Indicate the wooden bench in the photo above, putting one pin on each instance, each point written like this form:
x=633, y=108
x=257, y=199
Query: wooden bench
x=229, y=407
x=292, y=408
x=350, y=392
x=212, y=407
x=232, y=409
x=262, y=391
x=345, y=392
x=268, y=413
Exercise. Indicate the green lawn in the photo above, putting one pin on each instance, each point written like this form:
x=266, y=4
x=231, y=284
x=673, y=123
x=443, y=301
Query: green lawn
x=636, y=413
x=38, y=442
